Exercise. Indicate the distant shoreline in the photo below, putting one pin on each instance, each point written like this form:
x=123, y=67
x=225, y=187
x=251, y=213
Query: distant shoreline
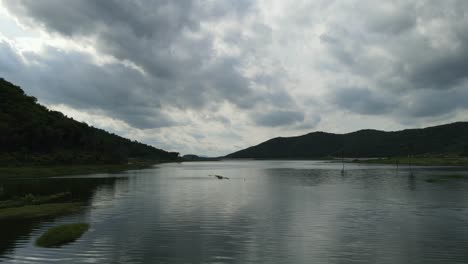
x=418, y=161
x=401, y=161
x=33, y=171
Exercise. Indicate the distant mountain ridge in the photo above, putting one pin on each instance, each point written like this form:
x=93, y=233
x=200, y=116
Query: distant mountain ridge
x=32, y=134
x=444, y=139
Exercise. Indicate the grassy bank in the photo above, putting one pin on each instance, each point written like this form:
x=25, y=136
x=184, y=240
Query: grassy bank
x=33, y=206
x=63, y=234
x=48, y=171
x=420, y=161
x=30, y=199
x=38, y=211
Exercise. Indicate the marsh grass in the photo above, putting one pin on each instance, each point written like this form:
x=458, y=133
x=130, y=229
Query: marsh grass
x=38, y=211
x=31, y=199
x=63, y=234
x=49, y=171
x=420, y=161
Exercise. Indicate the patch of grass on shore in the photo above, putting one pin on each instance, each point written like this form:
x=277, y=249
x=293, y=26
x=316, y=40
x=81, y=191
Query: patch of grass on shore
x=38, y=211
x=30, y=199
x=63, y=234
x=48, y=171
x=420, y=161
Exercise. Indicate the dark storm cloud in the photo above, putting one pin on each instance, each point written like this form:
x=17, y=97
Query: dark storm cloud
x=443, y=72
x=392, y=20
x=139, y=18
x=433, y=103
x=163, y=38
x=363, y=101
x=154, y=35
x=278, y=118
x=399, y=48
x=401, y=53
x=72, y=79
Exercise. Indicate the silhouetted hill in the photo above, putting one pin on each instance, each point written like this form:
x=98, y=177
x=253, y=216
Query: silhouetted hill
x=444, y=139
x=32, y=134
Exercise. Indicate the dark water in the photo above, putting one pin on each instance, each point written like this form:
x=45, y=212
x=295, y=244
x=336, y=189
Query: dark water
x=267, y=212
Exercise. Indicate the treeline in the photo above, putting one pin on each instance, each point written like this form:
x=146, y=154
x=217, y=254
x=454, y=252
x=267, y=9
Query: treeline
x=32, y=134
x=450, y=139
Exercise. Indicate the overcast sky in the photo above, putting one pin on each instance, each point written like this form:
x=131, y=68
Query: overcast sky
x=212, y=77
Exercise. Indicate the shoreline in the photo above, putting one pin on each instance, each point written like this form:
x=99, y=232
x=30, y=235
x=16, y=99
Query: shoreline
x=402, y=161
x=39, y=211
x=36, y=171
x=417, y=161
x=33, y=171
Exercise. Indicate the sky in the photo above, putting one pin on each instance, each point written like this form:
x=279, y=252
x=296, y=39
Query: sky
x=211, y=77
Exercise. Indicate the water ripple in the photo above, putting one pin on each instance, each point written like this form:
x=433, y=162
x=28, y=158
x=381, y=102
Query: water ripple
x=268, y=212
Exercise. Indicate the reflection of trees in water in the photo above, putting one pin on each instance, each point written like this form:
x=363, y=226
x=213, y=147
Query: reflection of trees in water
x=411, y=182
x=302, y=177
x=12, y=231
x=82, y=189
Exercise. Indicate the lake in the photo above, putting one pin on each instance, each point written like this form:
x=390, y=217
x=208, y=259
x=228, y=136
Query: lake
x=266, y=212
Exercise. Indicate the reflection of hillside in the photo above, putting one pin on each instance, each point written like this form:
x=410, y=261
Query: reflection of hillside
x=11, y=232
x=82, y=189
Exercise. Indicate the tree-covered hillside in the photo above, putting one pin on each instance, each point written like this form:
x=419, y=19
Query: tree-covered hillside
x=32, y=134
x=450, y=139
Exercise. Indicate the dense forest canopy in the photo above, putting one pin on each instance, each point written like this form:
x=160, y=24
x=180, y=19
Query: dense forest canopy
x=450, y=139
x=32, y=134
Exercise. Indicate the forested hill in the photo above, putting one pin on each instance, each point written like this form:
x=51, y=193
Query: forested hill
x=32, y=134
x=445, y=139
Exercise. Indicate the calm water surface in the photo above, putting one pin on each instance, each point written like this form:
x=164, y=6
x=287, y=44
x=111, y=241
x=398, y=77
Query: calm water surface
x=267, y=212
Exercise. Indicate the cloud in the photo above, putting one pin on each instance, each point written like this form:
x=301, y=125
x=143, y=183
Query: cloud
x=278, y=118
x=434, y=103
x=72, y=78
x=397, y=49
x=182, y=69
x=165, y=39
x=363, y=101
x=9, y=60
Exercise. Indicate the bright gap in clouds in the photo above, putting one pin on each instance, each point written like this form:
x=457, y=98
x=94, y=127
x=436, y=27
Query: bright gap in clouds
x=211, y=77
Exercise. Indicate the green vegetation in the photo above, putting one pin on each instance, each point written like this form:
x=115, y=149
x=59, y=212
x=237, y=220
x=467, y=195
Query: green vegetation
x=420, y=161
x=30, y=199
x=47, y=171
x=32, y=135
x=38, y=211
x=191, y=157
x=31, y=206
x=444, y=140
x=62, y=234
